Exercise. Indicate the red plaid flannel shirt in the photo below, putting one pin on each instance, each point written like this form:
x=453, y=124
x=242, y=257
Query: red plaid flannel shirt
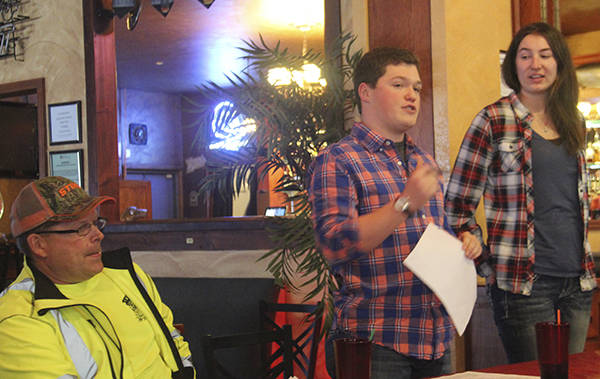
x=495, y=161
x=355, y=176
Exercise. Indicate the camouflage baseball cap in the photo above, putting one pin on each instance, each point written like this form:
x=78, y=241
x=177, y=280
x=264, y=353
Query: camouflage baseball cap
x=52, y=198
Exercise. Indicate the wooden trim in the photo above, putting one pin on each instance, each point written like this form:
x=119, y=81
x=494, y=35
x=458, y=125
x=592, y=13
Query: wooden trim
x=29, y=87
x=101, y=86
x=594, y=225
x=332, y=24
x=90, y=93
x=180, y=192
x=199, y=234
x=525, y=12
x=407, y=24
x=586, y=59
x=516, y=15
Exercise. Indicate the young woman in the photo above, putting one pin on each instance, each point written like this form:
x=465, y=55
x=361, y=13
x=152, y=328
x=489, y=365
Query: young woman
x=524, y=155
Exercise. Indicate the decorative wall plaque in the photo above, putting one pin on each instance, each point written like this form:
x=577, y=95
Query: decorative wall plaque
x=10, y=33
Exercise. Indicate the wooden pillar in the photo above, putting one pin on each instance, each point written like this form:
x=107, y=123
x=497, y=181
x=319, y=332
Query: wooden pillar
x=407, y=24
x=528, y=11
x=101, y=95
x=332, y=24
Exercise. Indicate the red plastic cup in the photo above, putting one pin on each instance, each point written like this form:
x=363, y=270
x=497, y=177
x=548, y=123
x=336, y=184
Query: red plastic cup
x=352, y=358
x=553, y=349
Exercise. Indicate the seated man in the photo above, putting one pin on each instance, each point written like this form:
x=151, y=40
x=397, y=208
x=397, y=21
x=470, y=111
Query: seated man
x=75, y=311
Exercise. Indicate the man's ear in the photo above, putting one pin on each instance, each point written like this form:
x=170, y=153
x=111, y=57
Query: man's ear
x=37, y=245
x=364, y=92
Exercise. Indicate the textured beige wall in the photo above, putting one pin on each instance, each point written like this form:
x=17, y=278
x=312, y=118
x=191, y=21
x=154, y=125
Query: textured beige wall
x=466, y=68
x=466, y=45
x=54, y=50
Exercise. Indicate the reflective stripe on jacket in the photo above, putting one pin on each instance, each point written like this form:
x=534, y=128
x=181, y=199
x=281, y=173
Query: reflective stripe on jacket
x=32, y=303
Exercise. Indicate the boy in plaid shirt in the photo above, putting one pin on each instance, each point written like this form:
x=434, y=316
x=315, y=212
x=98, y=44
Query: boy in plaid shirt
x=373, y=194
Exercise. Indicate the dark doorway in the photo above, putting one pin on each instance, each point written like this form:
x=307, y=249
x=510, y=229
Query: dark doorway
x=22, y=111
x=18, y=145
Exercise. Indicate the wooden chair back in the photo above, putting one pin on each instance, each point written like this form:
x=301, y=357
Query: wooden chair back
x=309, y=336
x=269, y=368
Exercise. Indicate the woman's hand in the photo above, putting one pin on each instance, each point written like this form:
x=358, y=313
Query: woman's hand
x=470, y=245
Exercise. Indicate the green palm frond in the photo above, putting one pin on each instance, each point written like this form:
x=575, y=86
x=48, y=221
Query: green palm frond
x=292, y=125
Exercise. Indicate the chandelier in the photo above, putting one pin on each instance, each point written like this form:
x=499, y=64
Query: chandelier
x=587, y=109
x=308, y=77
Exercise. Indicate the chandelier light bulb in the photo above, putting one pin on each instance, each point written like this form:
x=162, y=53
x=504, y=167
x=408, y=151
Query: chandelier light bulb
x=279, y=76
x=312, y=73
x=584, y=107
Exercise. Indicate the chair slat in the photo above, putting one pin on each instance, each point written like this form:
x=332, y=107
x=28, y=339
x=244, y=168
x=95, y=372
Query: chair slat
x=310, y=335
x=281, y=336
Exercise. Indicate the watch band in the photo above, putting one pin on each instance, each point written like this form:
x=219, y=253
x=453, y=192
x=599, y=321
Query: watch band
x=403, y=205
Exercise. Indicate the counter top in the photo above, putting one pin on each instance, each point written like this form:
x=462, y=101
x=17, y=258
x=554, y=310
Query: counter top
x=170, y=225
x=220, y=233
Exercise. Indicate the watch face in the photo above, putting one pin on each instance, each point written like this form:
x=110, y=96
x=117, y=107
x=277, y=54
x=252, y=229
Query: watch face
x=401, y=204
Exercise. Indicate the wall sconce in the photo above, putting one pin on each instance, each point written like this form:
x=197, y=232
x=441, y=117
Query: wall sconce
x=122, y=7
x=207, y=3
x=106, y=9
x=163, y=6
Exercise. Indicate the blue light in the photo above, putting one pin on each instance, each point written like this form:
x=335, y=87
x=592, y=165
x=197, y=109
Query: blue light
x=233, y=135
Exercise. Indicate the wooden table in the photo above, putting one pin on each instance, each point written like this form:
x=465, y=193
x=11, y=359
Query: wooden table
x=582, y=365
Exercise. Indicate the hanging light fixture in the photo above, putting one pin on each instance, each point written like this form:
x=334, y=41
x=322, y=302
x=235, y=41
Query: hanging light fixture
x=309, y=75
x=207, y=3
x=134, y=16
x=131, y=9
x=123, y=7
x=163, y=6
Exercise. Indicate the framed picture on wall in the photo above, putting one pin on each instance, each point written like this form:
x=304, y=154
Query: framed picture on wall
x=65, y=122
x=68, y=164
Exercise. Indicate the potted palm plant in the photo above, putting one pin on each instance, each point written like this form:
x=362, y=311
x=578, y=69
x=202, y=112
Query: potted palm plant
x=291, y=123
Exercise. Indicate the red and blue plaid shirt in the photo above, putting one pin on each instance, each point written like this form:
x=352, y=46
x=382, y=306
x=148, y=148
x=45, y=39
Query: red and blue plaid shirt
x=495, y=161
x=360, y=173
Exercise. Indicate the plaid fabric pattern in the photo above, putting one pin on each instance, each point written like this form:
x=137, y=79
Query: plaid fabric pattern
x=52, y=198
x=353, y=177
x=495, y=161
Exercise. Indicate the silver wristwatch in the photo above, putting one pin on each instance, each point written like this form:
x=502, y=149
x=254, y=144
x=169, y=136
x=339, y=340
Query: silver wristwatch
x=403, y=205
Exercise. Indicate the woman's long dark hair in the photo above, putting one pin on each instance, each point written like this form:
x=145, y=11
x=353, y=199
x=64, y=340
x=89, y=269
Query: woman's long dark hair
x=562, y=97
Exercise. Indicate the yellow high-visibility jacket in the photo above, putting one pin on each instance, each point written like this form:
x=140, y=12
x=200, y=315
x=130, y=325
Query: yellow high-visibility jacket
x=44, y=334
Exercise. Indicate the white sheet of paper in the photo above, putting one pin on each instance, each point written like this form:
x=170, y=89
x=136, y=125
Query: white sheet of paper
x=439, y=261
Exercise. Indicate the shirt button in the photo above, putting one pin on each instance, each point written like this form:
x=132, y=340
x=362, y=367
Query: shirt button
x=388, y=143
x=399, y=163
